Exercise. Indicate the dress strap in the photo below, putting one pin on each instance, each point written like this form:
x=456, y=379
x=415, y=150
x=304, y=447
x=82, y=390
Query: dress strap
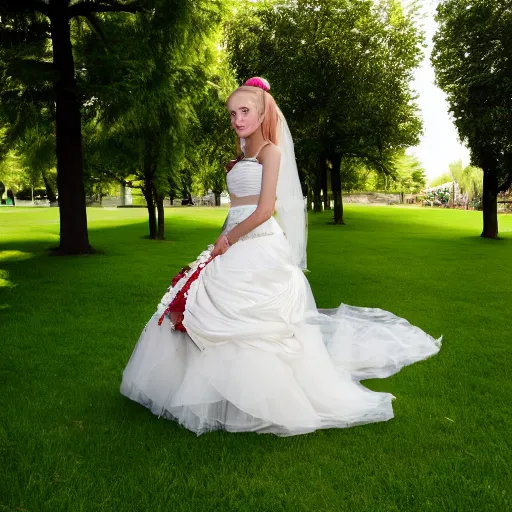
x=258, y=152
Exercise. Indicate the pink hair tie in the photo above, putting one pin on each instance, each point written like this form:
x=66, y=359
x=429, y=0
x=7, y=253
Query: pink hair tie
x=256, y=81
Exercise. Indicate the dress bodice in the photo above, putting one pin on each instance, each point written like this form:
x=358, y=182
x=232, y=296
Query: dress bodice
x=244, y=179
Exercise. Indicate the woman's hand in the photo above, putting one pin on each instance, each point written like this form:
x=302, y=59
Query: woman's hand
x=221, y=246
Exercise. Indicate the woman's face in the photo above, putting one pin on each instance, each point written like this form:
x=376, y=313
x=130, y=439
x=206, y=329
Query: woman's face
x=243, y=110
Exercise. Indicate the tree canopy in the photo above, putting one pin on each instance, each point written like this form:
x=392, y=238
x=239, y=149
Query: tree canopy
x=341, y=73
x=471, y=57
x=126, y=82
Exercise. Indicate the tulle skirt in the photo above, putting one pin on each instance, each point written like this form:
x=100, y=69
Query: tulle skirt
x=258, y=356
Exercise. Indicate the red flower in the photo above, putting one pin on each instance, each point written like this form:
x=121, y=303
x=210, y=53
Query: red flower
x=232, y=163
x=182, y=273
x=176, y=308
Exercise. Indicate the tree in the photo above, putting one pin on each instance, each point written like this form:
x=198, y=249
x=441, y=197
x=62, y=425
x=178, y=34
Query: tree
x=410, y=176
x=30, y=23
x=341, y=73
x=11, y=173
x=471, y=57
x=29, y=132
x=471, y=183
x=211, y=138
x=36, y=147
x=469, y=180
x=145, y=102
x=443, y=178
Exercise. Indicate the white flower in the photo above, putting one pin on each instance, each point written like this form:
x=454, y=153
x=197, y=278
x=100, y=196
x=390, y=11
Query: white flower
x=202, y=258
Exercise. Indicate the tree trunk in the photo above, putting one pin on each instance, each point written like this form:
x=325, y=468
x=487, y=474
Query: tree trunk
x=49, y=190
x=73, y=216
x=217, y=198
x=489, y=203
x=122, y=194
x=10, y=195
x=161, y=218
x=324, y=185
x=336, y=188
x=148, y=195
x=317, y=196
x=310, y=199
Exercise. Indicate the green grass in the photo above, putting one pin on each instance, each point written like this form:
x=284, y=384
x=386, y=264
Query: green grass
x=70, y=441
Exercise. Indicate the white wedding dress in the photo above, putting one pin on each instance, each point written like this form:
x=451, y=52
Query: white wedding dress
x=258, y=355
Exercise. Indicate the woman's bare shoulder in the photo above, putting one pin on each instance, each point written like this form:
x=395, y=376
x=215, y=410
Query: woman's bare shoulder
x=269, y=153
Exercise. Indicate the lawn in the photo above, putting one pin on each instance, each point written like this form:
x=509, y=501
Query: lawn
x=70, y=442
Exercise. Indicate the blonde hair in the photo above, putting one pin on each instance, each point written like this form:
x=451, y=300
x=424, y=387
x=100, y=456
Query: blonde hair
x=267, y=108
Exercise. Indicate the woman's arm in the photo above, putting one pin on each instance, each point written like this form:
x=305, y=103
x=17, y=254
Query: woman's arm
x=270, y=159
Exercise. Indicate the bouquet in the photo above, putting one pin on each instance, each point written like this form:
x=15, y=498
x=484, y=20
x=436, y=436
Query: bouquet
x=175, y=299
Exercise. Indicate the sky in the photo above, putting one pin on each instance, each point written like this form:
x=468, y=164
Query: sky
x=439, y=145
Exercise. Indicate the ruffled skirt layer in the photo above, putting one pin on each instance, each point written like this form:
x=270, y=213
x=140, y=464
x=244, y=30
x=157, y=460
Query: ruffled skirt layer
x=259, y=356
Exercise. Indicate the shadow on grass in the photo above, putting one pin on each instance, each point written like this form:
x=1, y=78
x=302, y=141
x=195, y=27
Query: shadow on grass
x=28, y=262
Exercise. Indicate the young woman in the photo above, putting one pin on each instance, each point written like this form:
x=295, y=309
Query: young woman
x=237, y=342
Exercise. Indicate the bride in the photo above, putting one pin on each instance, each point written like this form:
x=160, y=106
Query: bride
x=237, y=342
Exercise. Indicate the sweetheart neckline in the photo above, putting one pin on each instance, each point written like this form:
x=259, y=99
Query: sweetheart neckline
x=248, y=159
